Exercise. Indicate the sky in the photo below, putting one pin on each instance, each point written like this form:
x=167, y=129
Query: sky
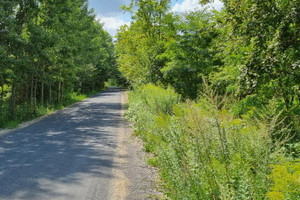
x=109, y=13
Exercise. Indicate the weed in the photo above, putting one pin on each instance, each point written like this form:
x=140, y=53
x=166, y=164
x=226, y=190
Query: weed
x=205, y=151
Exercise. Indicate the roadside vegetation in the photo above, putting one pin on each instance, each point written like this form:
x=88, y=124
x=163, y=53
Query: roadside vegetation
x=52, y=54
x=204, y=151
x=216, y=96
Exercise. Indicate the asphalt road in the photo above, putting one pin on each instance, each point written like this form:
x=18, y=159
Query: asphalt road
x=68, y=155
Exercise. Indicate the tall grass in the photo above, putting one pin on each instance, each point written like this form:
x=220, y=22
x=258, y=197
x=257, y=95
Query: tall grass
x=145, y=104
x=204, y=151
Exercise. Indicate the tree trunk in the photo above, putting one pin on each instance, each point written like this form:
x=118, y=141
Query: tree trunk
x=50, y=94
x=27, y=91
x=58, y=92
x=2, y=97
x=13, y=102
x=31, y=91
x=35, y=92
x=62, y=93
x=42, y=88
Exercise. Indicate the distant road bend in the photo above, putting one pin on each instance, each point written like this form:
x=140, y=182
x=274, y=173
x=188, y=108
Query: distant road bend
x=74, y=154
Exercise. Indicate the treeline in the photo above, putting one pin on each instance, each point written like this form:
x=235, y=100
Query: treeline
x=49, y=51
x=241, y=68
x=250, y=51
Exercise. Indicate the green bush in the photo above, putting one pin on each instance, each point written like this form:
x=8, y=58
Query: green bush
x=145, y=104
x=203, y=150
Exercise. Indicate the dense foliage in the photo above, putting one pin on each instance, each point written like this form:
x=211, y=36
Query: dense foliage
x=205, y=152
x=250, y=49
x=249, y=53
x=49, y=50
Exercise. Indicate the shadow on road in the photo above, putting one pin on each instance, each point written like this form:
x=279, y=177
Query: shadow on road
x=63, y=153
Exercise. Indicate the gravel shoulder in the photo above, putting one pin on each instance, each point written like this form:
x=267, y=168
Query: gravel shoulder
x=141, y=180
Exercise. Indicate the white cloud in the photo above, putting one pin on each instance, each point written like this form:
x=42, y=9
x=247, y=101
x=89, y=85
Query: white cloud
x=186, y=5
x=112, y=24
x=218, y=5
x=192, y=5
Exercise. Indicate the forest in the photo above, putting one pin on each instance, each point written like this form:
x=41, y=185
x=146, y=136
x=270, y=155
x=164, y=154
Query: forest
x=216, y=96
x=52, y=54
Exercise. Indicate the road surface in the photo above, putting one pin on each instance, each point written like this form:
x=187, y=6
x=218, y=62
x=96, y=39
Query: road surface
x=75, y=154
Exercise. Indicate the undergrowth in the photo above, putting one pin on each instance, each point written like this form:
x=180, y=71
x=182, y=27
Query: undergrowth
x=205, y=152
x=26, y=112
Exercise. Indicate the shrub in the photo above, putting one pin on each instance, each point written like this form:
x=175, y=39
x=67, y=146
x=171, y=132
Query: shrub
x=145, y=104
x=203, y=150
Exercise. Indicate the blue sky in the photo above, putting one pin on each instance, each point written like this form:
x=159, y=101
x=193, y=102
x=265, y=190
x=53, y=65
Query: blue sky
x=108, y=11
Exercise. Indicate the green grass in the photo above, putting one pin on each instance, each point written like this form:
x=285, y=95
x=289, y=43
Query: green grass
x=12, y=124
x=153, y=162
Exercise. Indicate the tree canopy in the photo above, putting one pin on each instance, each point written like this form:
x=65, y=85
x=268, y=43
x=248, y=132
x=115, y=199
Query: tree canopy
x=249, y=49
x=48, y=50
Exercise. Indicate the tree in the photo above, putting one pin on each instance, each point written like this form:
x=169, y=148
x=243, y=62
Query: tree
x=189, y=53
x=260, y=48
x=139, y=45
x=49, y=49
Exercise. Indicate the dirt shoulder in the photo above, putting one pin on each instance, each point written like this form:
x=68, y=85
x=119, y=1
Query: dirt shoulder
x=141, y=180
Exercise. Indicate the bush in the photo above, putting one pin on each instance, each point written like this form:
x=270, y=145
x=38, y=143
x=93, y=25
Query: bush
x=145, y=104
x=202, y=149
